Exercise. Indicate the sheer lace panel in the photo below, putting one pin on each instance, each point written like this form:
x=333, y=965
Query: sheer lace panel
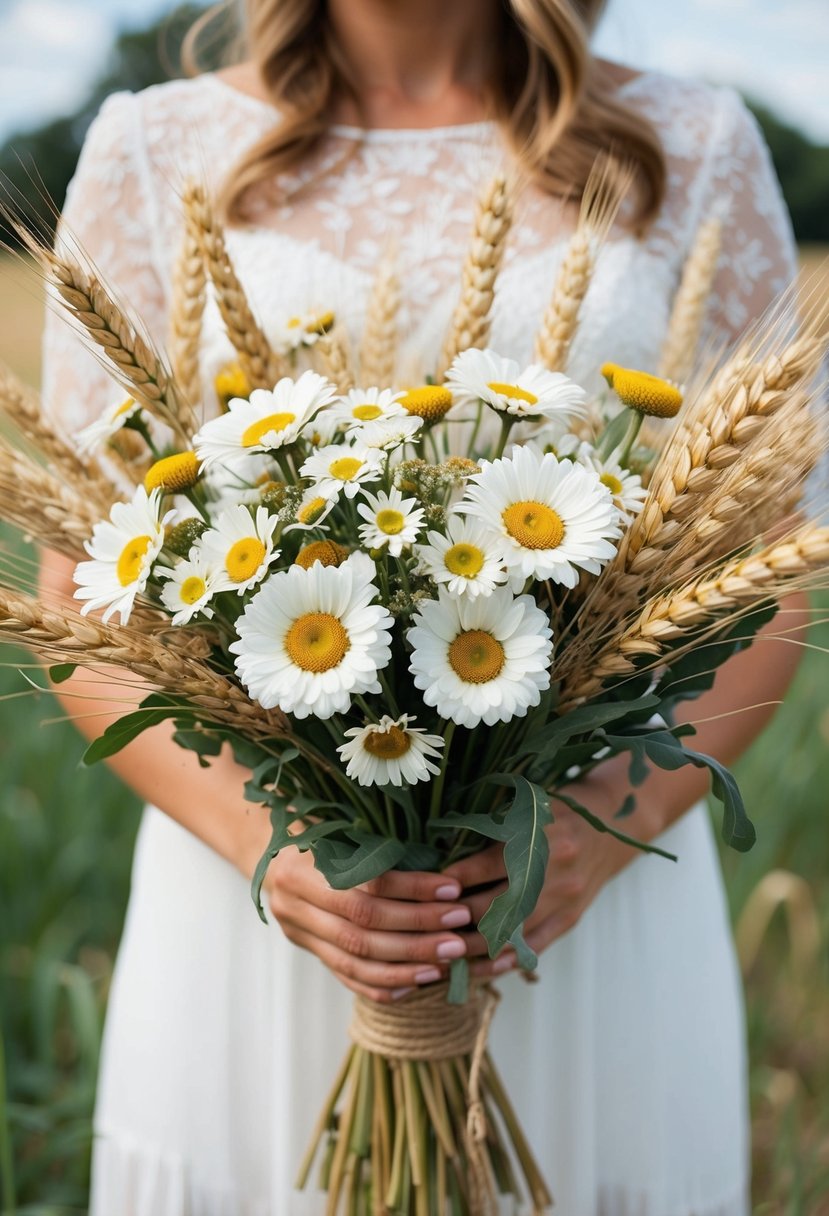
x=414, y=191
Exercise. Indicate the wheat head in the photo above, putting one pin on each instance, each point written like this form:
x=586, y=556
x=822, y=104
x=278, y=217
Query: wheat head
x=603, y=194
x=688, y=312
x=472, y=319
x=334, y=351
x=189, y=294
x=260, y=363
x=379, y=345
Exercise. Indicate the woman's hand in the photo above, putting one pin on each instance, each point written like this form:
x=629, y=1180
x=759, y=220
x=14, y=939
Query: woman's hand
x=381, y=939
x=582, y=860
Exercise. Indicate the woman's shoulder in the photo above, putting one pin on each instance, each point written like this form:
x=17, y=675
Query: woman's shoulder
x=691, y=115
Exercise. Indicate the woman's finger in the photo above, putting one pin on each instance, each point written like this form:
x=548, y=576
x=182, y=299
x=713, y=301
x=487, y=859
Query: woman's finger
x=392, y=915
x=415, y=885
x=484, y=867
x=371, y=973
x=479, y=903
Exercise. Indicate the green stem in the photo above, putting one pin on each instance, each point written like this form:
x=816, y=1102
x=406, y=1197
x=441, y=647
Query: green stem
x=634, y=425
x=470, y=449
x=138, y=424
x=506, y=426
x=437, y=788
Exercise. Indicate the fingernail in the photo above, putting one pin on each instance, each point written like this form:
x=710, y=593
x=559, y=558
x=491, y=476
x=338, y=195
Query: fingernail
x=456, y=918
x=503, y=964
x=451, y=949
x=427, y=976
x=451, y=891
x=398, y=993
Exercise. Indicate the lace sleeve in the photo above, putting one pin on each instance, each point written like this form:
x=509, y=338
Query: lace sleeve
x=106, y=222
x=759, y=257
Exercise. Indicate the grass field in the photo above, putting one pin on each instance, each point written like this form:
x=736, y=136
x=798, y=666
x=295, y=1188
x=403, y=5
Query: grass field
x=65, y=844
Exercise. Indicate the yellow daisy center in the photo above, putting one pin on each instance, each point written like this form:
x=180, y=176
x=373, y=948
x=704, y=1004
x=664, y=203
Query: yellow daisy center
x=643, y=392
x=514, y=391
x=124, y=407
x=131, y=558
x=320, y=324
x=534, y=525
x=345, y=468
x=311, y=511
x=613, y=483
x=293, y=323
x=388, y=744
x=327, y=552
x=316, y=642
x=366, y=412
x=244, y=558
x=192, y=589
x=231, y=381
x=273, y=422
x=431, y=402
x=476, y=656
x=391, y=522
x=464, y=559
x=173, y=473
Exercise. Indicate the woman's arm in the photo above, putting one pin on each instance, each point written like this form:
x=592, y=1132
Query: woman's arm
x=728, y=719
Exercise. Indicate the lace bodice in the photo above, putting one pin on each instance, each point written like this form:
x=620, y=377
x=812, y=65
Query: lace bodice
x=415, y=190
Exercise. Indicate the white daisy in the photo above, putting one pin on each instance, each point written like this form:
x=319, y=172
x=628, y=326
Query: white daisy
x=551, y=516
x=467, y=559
x=123, y=549
x=241, y=546
x=312, y=511
x=304, y=329
x=190, y=586
x=362, y=405
x=389, y=433
x=481, y=660
x=109, y=423
x=310, y=639
x=625, y=487
x=342, y=466
x=483, y=375
x=266, y=421
x=392, y=521
x=390, y=752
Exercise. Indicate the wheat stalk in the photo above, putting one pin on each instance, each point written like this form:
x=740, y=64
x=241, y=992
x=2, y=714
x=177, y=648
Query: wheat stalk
x=259, y=361
x=137, y=365
x=688, y=312
x=189, y=294
x=22, y=406
x=603, y=194
x=59, y=515
x=334, y=350
x=379, y=345
x=61, y=635
x=668, y=620
x=471, y=321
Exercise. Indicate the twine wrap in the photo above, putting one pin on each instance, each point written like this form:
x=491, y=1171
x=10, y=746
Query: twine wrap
x=425, y=1027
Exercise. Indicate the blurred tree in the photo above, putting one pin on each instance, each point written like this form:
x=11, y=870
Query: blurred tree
x=803, y=169
x=36, y=166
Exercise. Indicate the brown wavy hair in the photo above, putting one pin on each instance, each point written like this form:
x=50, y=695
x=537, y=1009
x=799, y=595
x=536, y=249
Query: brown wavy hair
x=557, y=105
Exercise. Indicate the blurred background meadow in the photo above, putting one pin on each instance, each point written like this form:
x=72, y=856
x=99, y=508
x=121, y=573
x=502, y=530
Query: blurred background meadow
x=66, y=833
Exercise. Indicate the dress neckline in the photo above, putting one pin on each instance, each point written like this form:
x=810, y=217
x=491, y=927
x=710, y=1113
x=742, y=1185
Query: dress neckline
x=465, y=130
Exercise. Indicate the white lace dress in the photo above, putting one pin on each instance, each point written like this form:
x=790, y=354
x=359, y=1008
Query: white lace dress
x=626, y=1060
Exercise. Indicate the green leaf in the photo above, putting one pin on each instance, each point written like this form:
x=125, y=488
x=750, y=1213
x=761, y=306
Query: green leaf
x=602, y=825
x=368, y=857
x=483, y=825
x=458, y=993
x=667, y=752
x=200, y=740
x=582, y=720
x=118, y=734
x=420, y=857
x=613, y=433
x=279, y=831
x=525, y=857
x=61, y=672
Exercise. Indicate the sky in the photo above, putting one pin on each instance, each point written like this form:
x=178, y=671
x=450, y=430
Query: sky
x=51, y=50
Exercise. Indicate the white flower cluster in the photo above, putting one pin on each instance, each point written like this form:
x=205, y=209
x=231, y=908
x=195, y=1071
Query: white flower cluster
x=299, y=596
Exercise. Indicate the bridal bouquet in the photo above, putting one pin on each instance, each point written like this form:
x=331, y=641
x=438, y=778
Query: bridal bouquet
x=416, y=611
